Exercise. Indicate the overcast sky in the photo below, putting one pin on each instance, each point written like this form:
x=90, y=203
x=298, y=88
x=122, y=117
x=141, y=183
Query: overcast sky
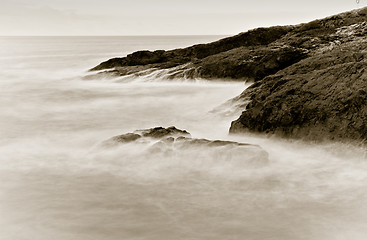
x=159, y=17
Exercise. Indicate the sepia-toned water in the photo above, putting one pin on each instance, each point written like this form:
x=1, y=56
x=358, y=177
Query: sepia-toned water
x=56, y=183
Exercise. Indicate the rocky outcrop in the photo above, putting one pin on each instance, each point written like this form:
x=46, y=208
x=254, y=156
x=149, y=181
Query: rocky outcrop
x=321, y=97
x=172, y=141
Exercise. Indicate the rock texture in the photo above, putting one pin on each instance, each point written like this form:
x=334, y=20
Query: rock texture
x=323, y=96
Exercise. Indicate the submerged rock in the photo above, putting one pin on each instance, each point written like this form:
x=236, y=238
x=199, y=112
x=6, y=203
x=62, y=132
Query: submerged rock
x=170, y=142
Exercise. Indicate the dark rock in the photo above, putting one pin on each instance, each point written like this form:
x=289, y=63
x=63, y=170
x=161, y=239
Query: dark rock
x=157, y=133
x=251, y=64
x=145, y=57
x=321, y=97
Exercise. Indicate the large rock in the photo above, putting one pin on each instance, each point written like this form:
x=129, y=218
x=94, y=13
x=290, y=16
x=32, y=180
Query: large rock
x=321, y=97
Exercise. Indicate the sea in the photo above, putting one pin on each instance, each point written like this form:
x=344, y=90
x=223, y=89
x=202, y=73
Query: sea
x=57, y=182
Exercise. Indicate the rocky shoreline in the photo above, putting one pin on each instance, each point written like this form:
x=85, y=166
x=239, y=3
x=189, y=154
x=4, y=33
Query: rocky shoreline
x=309, y=80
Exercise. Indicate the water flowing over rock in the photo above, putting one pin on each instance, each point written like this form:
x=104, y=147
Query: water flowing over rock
x=170, y=142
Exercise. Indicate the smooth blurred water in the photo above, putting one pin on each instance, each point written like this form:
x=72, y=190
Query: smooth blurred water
x=56, y=183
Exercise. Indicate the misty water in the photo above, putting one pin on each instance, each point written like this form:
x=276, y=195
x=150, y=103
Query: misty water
x=56, y=182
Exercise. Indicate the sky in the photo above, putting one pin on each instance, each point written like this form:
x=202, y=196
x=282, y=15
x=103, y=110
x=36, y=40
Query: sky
x=158, y=17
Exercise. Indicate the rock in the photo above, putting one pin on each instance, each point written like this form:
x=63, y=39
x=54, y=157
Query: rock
x=319, y=98
x=249, y=64
x=170, y=142
x=156, y=133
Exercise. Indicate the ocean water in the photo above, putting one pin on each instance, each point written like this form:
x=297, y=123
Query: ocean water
x=57, y=183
